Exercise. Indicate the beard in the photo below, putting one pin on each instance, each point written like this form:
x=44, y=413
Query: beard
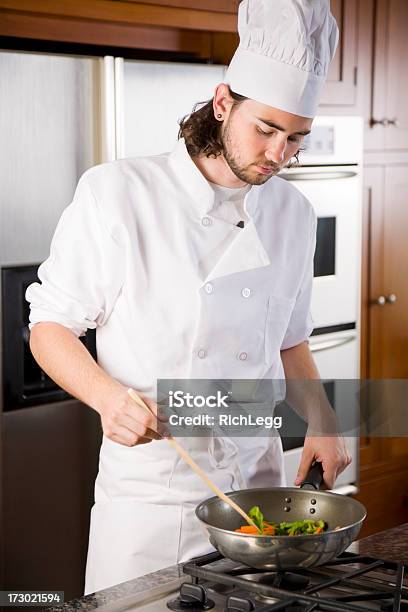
x=245, y=172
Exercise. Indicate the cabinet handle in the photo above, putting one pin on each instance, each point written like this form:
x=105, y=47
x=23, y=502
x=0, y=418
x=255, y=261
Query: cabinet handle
x=374, y=122
x=381, y=300
x=384, y=122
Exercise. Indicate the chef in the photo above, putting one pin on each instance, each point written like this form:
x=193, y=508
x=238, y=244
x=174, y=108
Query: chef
x=196, y=264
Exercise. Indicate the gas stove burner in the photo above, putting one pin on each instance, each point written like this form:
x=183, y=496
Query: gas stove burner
x=285, y=580
x=349, y=583
x=192, y=597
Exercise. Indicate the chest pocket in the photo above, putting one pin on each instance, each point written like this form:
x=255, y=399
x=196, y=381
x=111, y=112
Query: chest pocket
x=279, y=310
x=242, y=326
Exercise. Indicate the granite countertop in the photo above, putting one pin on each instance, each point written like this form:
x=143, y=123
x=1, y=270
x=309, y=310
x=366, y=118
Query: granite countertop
x=391, y=545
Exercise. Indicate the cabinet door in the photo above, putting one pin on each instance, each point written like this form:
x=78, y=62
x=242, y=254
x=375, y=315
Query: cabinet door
x=386, y=501
x=388, y=323
x=340, y=89
x=396, y=136
x=390, y=88
x=395, y=340
x=383, y=460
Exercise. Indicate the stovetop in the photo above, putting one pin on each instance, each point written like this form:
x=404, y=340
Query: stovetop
x=350, y=583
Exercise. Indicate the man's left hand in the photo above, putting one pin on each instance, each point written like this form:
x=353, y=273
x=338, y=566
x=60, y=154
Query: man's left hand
x=330, y=451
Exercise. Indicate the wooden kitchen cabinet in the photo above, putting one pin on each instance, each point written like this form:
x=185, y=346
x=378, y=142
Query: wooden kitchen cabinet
x=222, y=6
x=383, y=486
x=181, y=15
x=340, y=90
x=205, y=29
x=341, y=86
x=386, y=500
x=384, y=330
x=384, y=323
x=387, y=291
x=172, y=28
x=388, y=122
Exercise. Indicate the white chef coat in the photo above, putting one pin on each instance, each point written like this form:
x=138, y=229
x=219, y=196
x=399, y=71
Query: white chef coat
x=175, y=292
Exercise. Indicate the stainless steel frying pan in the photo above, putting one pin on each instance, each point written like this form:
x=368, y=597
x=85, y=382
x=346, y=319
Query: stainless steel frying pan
x=284, y=504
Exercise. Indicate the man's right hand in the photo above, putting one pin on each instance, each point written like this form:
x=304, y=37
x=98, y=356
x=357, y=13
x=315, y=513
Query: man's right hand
x=124, y=421
x=61, y=354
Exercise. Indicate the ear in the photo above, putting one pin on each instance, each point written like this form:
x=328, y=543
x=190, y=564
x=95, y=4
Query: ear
x=222, y=102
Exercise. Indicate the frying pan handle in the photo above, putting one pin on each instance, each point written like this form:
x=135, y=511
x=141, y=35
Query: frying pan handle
x=314, y=477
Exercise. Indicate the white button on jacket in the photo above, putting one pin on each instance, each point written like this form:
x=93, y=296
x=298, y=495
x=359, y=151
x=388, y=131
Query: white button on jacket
x=130, y=257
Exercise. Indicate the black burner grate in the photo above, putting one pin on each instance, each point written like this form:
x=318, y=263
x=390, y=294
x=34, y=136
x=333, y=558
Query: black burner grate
x=373, y=580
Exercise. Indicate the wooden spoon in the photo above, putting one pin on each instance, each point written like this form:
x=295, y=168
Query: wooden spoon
x=194, y=466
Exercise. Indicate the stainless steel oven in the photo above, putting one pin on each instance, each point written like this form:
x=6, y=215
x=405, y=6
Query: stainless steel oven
x=24, y=382
x=329, y=175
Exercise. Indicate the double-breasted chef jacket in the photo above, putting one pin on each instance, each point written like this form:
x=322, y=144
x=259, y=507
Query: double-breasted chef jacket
x=175, y=292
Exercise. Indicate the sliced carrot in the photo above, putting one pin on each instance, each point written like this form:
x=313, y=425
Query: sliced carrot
x=248, y=529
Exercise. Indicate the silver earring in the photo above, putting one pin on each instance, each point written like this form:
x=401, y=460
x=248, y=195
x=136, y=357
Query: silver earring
x=219, y=116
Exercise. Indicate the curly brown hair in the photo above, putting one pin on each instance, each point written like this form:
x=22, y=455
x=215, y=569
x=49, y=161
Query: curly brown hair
x=201, y=130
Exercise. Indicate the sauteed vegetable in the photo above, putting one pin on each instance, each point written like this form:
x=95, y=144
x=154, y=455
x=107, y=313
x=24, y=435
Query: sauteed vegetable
x=305, y=527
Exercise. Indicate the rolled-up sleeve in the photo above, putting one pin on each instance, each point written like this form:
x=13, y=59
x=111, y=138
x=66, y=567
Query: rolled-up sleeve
x=83, y=275
x=301, y=322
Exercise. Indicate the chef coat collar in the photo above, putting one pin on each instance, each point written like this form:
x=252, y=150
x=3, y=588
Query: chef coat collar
x=245, y=251
x=197, y=185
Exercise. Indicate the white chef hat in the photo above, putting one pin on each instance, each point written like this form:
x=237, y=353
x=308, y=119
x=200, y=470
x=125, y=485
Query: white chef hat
x=284, y=53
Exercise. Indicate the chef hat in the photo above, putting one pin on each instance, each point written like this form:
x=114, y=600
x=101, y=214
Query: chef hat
x=284, y=53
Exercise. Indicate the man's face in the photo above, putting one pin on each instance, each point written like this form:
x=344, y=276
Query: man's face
x=258, y=140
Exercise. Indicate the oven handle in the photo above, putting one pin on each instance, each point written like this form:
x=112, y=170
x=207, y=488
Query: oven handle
x=328, y=344
x=318, y=176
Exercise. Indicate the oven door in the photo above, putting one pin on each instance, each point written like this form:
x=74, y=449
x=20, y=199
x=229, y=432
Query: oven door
x=335, y=193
